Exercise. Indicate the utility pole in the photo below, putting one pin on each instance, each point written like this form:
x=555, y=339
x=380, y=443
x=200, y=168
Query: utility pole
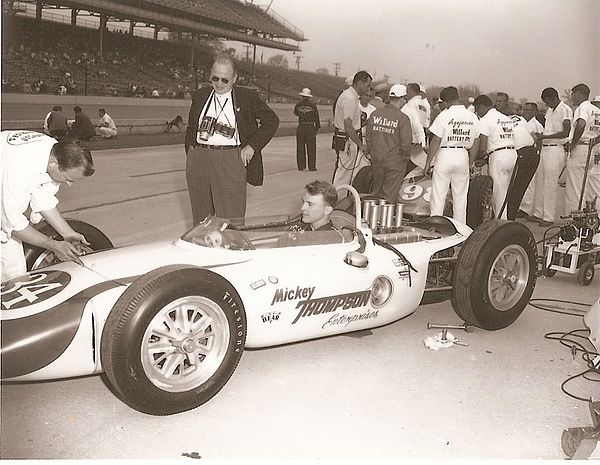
x=298, y=58
x=337, y=68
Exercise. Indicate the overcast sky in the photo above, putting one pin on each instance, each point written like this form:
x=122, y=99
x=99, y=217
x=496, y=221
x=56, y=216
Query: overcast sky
x=519, y=46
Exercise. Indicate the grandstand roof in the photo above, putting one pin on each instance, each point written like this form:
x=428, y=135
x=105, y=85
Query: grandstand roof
x=228, y=19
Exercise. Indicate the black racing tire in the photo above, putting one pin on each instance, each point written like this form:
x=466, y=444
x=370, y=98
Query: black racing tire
x=585, y=275
x=363, y=181
x=37, y=257
x=479, y=201
x=341, y=218
x=173, y=339
x=495, y=274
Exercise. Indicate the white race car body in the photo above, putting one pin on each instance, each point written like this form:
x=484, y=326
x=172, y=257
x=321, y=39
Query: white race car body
x=53, y=318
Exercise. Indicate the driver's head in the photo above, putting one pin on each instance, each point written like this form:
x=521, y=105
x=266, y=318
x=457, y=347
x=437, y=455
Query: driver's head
x=318, y=202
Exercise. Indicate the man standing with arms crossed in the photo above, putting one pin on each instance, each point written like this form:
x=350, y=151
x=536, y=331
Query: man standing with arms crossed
x=552, y=155
x=347, y=128
x=454, y=144
x=389, y=135
x=586, y=127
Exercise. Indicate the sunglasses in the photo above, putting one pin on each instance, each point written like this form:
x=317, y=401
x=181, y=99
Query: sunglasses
x=216, y=79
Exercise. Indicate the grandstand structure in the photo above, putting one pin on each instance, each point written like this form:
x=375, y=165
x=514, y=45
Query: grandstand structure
x=225, y=19
x=114, y=45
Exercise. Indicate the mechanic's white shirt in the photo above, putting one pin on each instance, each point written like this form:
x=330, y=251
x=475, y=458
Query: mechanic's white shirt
x=554, y=122
x=535, y=127
x=456, y=127
x=25, y=182
x=220, y=106
x=347, y=106
x=363, y=119
x=418, y=134
x=499, y=130
x=589, y=113
x=521, y=132
x=418, y=104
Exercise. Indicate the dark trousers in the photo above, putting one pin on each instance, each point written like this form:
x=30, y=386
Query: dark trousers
x=216, y=182
x=388, y=174
x=306, y=143
x=527, y=163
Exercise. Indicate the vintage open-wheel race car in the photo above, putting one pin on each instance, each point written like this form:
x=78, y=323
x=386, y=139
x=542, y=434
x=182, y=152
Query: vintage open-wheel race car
x=168, y=321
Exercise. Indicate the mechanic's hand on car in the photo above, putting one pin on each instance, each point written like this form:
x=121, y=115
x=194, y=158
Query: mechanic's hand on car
x=428, y=170
x=80, y=242
x=66, y=251
x=246, y=154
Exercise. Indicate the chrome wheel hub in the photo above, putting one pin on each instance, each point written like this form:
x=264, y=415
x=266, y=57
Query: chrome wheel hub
x=508, y=277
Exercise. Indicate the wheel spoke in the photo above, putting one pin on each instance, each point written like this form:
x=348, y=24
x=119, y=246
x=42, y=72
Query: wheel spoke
x=173, y=361
x=160, y=346
x=199, y=329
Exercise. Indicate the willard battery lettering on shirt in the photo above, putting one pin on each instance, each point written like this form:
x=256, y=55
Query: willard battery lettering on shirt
x=507, y=129
x=460, y=133
x=383, y=124
x=332, y=303
x=281, y=295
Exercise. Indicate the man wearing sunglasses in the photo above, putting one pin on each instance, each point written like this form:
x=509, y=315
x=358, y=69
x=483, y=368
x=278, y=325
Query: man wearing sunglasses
x=228, y=126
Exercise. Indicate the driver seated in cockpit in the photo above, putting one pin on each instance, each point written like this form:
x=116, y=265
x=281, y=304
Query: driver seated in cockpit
x=315, y=226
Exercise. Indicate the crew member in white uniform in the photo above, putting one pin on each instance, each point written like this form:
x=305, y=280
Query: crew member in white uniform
x=346, y=120
x=592, y=188
x=454, y=144
x=586, y=127
x=552, y=156
x=529, y=112
x=497, y=140
x=418, y=157
x=33, y=166
x=417, y=102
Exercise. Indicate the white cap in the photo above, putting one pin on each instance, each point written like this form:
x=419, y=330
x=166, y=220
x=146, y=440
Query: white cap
x=397, y=90
x=471, y=99
x=422, y=88
x=306, y=92
x=349, y=80
x=596, y=98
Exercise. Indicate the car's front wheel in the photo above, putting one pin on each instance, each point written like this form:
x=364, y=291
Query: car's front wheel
x=37, y=257
x=495, y=274
x=173, y=339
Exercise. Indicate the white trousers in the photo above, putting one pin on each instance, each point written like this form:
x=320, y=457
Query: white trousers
x=527, y=202
x=107, y=133
x=501, y=165
x=546, y=182
x=592, y=186
x=574, y=173
x=13, y=259
x=349, y=164
x=451, y=170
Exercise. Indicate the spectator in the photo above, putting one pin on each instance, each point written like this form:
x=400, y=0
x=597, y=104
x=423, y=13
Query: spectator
x=536, y=127
x=501, y=103
x=223, y=143
x=381, y=96
x=106, y=125
x=57, y=123
x=82, y=128
x=306, y=133
x=365, y=110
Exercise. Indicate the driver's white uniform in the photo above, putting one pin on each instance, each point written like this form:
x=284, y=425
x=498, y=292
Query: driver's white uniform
x=457, y=128
x=574, y=172
x=502, y=154
x=25, y=185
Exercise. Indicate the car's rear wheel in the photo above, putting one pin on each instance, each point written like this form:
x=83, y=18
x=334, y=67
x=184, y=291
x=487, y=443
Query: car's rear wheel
x=495, y=274
x=479, y=201
x=173, y=339
x=37, y=257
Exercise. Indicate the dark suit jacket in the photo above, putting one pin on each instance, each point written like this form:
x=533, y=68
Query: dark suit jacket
x=249, y=110
x=83, y=127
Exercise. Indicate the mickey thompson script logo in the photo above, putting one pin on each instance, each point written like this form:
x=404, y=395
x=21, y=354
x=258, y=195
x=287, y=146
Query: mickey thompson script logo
x=332, y=303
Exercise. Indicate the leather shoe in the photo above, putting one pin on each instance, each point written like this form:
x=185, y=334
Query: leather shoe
x=545, y=224
x=312, y=169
